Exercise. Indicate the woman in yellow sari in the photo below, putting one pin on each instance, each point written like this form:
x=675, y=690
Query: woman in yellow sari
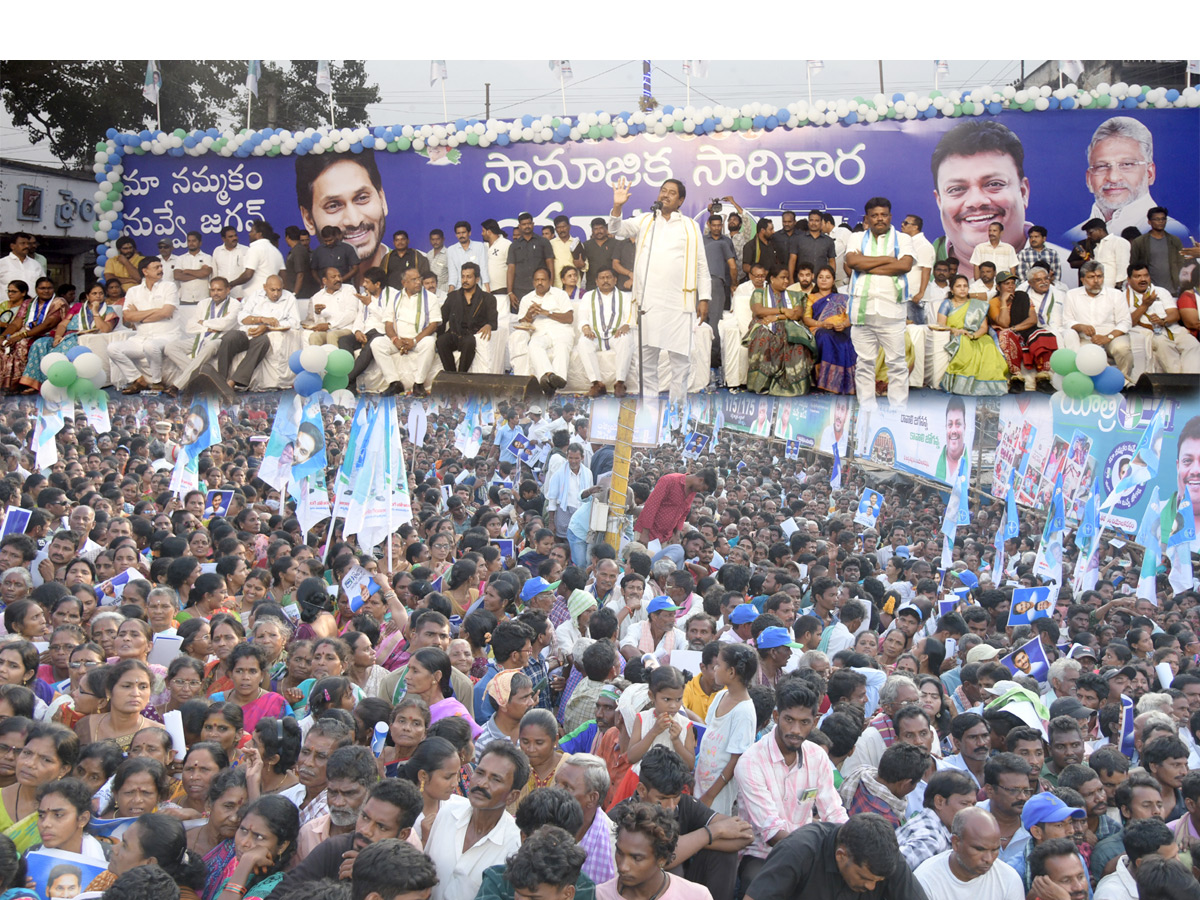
x=977, y=367
x=50, y=753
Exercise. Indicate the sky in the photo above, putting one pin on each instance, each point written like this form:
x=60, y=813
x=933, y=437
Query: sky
x=520, y=87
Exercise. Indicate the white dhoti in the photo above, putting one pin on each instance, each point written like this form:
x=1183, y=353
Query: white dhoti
x=504, y=330
x=880, y=332
x=673, y=331
x=1176, y=356
x=735, y=359
x=137, y=356
x=621, y=347
x=518, y=352
x=918, y=335
x=701, y=361
x=411, y=368
x=549, y=353
x=180, y=366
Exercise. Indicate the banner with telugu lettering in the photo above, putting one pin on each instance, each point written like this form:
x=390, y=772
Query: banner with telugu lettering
x=835, y=169
x=932, y=436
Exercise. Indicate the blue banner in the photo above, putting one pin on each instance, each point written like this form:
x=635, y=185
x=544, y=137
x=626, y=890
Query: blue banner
x=1044, y=179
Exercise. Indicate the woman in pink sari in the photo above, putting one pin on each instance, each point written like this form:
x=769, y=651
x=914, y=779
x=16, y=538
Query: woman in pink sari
x=247, y=662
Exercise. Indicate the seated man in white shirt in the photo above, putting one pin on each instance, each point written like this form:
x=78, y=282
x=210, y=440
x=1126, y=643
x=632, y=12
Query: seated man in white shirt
x=408, y=351
x=607, y=314
x=1155, y=320
x=733, y=327
x=150, y=309
x=1099, y=315
x=270, y=310
x=335, y=309
x=657, y=635
x=549, y=315
x=218, y=315
x=376, y=308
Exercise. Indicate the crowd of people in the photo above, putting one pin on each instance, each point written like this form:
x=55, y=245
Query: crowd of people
x=819, y=304
x=735, y=694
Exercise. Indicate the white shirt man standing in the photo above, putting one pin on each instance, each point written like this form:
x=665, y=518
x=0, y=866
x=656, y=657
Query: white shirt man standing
x=549, y=314
x=192, y=271
x=228, y=261
x=439, y=263
x=1099, y=315
x=20, y=265
x=675, y=291
x=407, y=353
x=607, y=315
x=150, y=309
x=262, y=259
x=995, y=251
x=465, y=250
x=497, y=276
x=1112, y=251
x=880, y=260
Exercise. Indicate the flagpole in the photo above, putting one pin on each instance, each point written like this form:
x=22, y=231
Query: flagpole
x=445, y=112
x=562, y=86
x=158, y=110
x=689, y=87
x=808, y=71
x=331, y=125
x=249, y=102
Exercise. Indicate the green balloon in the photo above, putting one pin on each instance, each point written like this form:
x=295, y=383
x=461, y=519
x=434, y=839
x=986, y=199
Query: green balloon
x=891, y=113
x=101, y=147
x=274, y=151
x=1028, y=105
x=472, y=139
x=1078, y=385
x=1063, y=361
x=340, y=362
x=745, y=123
x=96, y=226
x=179, y=133
x=859, y=100
x=594, y=132
x=957, y=111
x=403, y=143
x=555, y=122
x=607, y=131
x=802, y=122
x=82, y=389
x=393, y=146
x=333, y=382
x=106, y=205
x=933, y=94
x=138, y=151
x=1101, y=101
x=62, y=374
x=114, y=194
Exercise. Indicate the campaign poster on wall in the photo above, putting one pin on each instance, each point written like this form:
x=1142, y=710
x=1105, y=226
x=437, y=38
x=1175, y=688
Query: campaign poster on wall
x=932, y=436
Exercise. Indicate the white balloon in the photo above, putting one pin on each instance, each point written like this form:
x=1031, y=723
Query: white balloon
x=418, y=144
x=312, y=359
x=660, y=129
x=1041, y=103
x=50, y=359
x=88, y=365
x=342, y=398
x=52, y=393
x=100, y=379
x=667, y=121
x=99, y=271
x=328, y=349
x=1091, y=359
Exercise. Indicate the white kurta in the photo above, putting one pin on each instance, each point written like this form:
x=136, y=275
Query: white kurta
x=664, y=281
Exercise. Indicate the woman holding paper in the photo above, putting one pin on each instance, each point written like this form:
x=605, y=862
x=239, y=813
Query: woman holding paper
x=50, y=753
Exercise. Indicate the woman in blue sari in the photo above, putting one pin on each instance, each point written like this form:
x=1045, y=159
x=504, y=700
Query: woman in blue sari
x=829, y=320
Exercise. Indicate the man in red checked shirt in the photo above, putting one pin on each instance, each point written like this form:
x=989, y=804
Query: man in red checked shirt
x=669, y=503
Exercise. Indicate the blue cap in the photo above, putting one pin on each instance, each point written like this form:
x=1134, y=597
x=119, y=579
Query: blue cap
x=534, y=586
x=743, y=615
x=776, y=636
x=1045, y=807
x=903, y=552
x=658, y=604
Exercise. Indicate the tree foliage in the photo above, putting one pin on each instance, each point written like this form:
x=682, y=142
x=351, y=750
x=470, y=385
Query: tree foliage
x=288, y=97
x=72, y=104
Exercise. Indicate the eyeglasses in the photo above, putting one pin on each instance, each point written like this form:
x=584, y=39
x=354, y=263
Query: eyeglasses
x=87, y=664
x=9, y=750
x=1125, y=168
x=1015, y=792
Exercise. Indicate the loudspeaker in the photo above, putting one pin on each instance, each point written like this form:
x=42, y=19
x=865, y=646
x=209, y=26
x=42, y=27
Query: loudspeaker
x=1167, y=385
x=517, y=387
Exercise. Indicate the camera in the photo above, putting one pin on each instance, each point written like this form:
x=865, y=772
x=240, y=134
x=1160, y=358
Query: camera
x=714, y=206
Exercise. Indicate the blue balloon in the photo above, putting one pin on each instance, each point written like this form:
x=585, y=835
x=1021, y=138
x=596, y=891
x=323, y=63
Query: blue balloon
x=111, y=133
x=760, y=121
x=1110, y=381
x=76, y=352
x=267, y=132
x=526, y=120
x=772, y=123
x=294, y=363
x=176, y=151
x=101, y=177
x=378, y=131
x=995, y=108
x=1053, y=101
x=502, y=140
x=307, y=383
x=356, y=147
x=1131, y=102
x=144, y=135
x=563, y=130
x=460, y=124
x=1172, y=95
x=850, y=118
x=897, y=97
x=1068, y=103
x=113, y=234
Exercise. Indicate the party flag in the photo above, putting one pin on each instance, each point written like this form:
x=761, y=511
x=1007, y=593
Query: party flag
x=200, y=431
x=815, y=66
x=835, y=473
x=1148, y=537
x=1179, y=532
x=1049, y=562
x=943, y=66
x=276, y=466
x=253, y=72
x=1143, y=466
x=1087, y=539
x=51, y=417
x=1072, y=68
x=562, y=68
x=696, y=68
x=324, y=81
x=437, y=71
x=153, y=82
x=308, y=449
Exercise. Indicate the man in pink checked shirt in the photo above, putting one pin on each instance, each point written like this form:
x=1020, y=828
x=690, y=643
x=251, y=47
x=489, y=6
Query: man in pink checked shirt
x=782, y=776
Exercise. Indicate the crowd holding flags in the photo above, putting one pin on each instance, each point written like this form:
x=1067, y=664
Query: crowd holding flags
x=1143, y=465
x=1048, y=565
x=1087, y=539
x=201, y=425
x=372, y=484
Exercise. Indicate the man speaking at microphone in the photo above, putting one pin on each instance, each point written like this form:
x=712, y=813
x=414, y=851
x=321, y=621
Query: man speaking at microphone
x=671, y=282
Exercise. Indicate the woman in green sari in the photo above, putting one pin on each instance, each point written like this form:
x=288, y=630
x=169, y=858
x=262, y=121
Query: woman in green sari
x=776, y=364
x=977, y=367
x=50, y=753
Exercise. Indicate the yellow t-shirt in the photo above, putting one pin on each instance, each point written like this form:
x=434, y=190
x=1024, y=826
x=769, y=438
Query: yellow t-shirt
x=695, y=699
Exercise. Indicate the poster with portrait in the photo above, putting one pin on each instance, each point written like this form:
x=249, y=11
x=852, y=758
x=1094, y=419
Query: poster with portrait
x=59, y=875
x=695, y=444
x=16, y=520
x=869, y=506
x=1029, y=604
x=1029, y=659
x=815, y=423
x=791, y=450
x=932, y=436
x=216, y=503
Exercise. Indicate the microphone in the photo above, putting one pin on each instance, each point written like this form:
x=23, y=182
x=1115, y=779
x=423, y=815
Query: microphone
x=656, y=207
